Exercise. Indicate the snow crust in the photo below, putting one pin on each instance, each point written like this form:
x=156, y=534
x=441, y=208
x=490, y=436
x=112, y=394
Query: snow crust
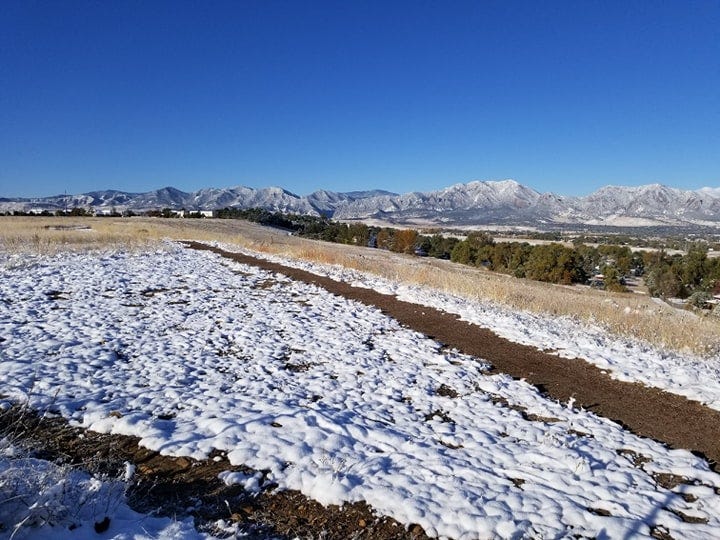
x=624, y=359
x=192, y=352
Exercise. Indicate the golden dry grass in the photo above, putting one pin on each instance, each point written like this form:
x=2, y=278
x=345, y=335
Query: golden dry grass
x=630, y=315
x=47, y=235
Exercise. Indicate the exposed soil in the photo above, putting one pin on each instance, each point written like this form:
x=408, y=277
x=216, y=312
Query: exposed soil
x=649, y=412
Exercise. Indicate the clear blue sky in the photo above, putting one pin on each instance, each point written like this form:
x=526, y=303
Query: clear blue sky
x=563, y=96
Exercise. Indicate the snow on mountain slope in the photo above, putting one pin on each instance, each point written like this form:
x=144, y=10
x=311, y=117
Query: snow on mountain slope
x=459, y=197
x=710, y=192
x=272, y=198
x=504, y=202
x=651, y=201
x=507, y=202
x=168, y=196
x=326, y=202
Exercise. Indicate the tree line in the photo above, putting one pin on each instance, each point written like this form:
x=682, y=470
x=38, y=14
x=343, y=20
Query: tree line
x=693, y=274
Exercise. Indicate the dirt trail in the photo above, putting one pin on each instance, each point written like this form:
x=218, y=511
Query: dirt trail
x=648, y=412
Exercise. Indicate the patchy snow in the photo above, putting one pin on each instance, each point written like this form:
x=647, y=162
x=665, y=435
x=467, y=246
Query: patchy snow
x=39, y=499
x=192, y=352
x=624, y=359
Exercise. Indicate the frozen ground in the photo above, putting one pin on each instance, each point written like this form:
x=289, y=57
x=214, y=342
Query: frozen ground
x=191, y=352
x=624, y=359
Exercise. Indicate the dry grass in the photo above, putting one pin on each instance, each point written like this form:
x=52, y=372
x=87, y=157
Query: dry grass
x=45, y=236
x=629, y=315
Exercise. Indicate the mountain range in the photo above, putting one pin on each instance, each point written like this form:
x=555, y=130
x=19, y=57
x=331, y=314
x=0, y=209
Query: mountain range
x=505, y=202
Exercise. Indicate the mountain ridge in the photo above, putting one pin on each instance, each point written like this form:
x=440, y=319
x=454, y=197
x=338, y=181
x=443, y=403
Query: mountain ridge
x=498, y=202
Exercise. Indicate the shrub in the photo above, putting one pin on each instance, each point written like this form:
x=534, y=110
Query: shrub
x=699, y=299
x=613, y=280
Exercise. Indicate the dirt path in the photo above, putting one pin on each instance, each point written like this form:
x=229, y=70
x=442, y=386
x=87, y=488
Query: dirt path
x=649, y=412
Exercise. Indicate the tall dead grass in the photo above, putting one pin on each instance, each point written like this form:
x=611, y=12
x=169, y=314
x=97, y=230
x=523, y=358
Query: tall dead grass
x=47, y=235
x=630, y=315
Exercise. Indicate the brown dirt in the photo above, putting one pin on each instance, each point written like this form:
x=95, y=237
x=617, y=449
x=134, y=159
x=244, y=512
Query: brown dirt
x=649, y=412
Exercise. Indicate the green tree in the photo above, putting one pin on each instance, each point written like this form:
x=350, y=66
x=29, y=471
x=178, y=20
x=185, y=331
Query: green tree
x=359, y=234
x=484, y=255
x=501, y=257
x=618, y=256
x=637, y=263
x=588, y=259
x=441, y=247
x=613, y=279
x=693, y=267
x=480, y=239
x=79, y=212
x=463, y=253
x=553, y=263
x=520, y=256
x=663, y=281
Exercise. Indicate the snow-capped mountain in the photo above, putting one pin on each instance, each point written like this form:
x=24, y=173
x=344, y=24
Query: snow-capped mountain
x=508, y=203
x=271, y=198
x=664, y=205
x=327, y=202
x=503, y=202
x=475, y=202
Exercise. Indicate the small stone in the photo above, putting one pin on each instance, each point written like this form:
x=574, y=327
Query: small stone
x=102, y=526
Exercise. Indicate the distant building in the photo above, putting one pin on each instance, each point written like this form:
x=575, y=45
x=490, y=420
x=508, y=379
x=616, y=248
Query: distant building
x=194, y=213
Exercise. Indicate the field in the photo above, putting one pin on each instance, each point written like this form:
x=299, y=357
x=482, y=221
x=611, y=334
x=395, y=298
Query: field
x=633, y=316
x=316, y=414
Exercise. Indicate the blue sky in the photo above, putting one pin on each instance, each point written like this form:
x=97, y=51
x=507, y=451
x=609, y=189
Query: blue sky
x=349, y=95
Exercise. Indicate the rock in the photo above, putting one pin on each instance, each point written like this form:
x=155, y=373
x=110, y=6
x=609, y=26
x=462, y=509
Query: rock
x=102, y=526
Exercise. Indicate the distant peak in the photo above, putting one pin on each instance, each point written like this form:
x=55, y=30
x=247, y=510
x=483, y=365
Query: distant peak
x=506, y=182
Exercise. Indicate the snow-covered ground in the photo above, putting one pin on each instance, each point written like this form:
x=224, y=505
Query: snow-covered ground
x=192, y=352
x=624, y=359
